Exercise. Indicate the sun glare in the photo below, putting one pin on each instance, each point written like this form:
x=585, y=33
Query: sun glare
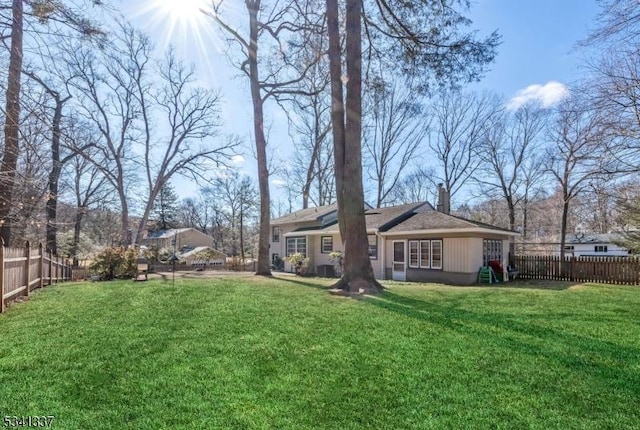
x=182, y=10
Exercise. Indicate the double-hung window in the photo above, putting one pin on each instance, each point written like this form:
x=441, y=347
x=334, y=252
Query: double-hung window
x=275, y=234
x=326, y=244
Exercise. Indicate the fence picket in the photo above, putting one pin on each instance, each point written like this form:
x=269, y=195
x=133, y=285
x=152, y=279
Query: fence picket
x=21, y=267
x=609, y=270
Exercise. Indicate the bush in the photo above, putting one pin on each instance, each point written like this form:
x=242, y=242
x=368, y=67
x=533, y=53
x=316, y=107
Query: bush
x=115, y=263
x=236, y=264
x=300, y=263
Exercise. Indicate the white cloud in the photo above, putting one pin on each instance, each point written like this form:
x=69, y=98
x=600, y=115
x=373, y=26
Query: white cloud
x=237, y=160
x=548, y=94
x=278, y=182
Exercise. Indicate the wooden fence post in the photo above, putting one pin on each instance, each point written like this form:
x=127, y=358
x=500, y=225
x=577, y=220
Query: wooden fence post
x=27, y=265
x=1, y=275
x=573, y=268
x=41, y=265
x=50, y=267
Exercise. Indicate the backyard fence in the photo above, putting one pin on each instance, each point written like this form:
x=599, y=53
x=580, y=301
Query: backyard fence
x=607, y=270
x=22, y=270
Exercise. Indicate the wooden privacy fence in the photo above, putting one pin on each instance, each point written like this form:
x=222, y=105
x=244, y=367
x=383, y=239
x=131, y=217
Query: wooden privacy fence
x=607, y=270
x=22, y=270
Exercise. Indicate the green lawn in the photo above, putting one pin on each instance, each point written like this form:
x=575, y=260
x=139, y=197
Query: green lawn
x=253, y=353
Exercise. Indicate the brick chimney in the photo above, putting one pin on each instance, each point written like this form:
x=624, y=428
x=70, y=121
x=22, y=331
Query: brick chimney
x=444, y=201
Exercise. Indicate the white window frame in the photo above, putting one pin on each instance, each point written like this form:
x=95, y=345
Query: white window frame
x=322, y=245
x=275, y=238
x=415, y=264
x=433, y=266
x=296, y=246
x=416, y=254
x=428, y=264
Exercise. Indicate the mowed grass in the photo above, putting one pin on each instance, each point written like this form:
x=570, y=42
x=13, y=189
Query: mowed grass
x=245, y=353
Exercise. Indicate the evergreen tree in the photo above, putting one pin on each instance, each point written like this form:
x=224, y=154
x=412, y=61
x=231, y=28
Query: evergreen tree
x=165, y=208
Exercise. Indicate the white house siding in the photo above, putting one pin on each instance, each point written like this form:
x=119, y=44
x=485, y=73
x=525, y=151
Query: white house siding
x=457, y=253
x=589, y=249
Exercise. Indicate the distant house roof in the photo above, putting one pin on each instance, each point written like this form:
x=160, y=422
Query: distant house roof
x=593, y=238
x=306, y=215
x=378, y=219
x=438, y=221
x=166, y=234
x=199, y=249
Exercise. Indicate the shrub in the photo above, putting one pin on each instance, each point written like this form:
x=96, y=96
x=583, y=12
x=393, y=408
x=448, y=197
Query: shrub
x=115, y=263
x=300, y=263
x=236, y=264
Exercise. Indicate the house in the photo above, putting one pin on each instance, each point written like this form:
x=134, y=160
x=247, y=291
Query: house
x=178, y=239
x=602, y=245
x=203, y=256
x=411, y=242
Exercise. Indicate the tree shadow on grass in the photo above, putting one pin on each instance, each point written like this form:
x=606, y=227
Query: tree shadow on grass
x=535, y=284
x=299, y=281
x=580, y=353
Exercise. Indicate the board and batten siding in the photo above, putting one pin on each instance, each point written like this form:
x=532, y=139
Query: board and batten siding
x=461, y=254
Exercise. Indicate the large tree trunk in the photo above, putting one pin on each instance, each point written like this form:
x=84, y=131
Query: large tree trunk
x=12, y=124
x=77, y=227
x=264, y=267
x=54, y=177
x=347, y=130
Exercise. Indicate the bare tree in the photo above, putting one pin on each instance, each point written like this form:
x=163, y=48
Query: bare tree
x=511, y=140
x=238, y=200
x=415, y=186
x=270, y=27
x=191, y=114
x=577, y=156
x=395, y=127
x=310, y=130
x=116, y=93
x=40, y=13
x=89, y=188
x=459, y=127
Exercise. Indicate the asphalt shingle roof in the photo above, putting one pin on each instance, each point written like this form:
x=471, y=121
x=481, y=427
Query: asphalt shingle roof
x=434, y=220
x=305, y=215
x=376, y=219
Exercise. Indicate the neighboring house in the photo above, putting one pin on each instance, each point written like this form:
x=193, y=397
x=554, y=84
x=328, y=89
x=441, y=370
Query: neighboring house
x=602, y=245
x=411, y=242
x=203, y=256
x=180, y=239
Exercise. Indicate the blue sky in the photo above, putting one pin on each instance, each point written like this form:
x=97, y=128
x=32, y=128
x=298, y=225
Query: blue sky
x=537, y=58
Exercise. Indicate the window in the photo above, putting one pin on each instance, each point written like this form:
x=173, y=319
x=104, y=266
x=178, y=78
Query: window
x=275, y=234
x=436, y=254
x=569, y=248
x=414, y=253
x=492, y=251
x=601, y=248
x=326, y=244
x=297, y=245
x=373, y=246
x=424, y=254
x=274, y=258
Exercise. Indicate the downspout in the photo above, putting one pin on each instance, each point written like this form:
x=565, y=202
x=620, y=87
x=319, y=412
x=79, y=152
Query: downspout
x=382, y=268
